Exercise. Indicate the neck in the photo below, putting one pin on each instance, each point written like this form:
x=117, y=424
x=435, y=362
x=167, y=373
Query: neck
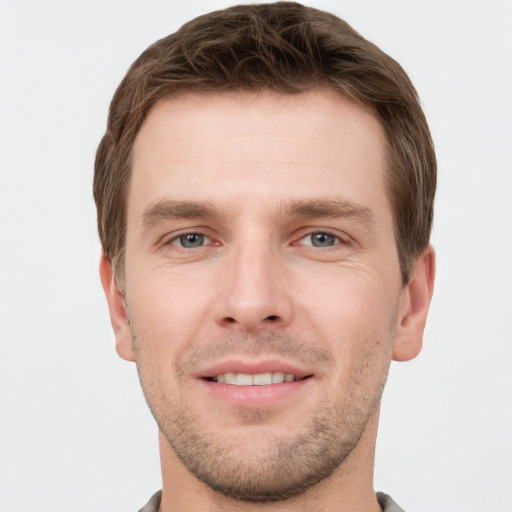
x=349, y=488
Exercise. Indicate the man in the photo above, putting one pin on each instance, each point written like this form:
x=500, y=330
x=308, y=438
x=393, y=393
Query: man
x=265, y=191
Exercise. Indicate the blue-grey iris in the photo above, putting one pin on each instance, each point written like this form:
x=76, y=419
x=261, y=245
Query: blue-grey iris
x=192, y=240
x=322, y=240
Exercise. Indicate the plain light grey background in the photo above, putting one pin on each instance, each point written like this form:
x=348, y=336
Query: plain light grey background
x=75, y=433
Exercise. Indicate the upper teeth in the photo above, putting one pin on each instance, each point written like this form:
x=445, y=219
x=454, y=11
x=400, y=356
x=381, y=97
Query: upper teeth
x=257, y=379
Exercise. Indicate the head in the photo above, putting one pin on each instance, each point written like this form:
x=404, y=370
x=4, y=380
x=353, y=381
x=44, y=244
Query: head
x=264, y=195
x=287, y=48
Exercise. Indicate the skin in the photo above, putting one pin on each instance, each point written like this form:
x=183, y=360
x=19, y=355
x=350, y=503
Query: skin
x=290, y=261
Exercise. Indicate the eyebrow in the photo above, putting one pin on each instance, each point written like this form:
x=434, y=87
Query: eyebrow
x=169, y=209
x=330, y=208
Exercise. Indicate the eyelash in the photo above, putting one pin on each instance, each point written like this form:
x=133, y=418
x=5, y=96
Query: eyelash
x=338, y=239
x=175, y=240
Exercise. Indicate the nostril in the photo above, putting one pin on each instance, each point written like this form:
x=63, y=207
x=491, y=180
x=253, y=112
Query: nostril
x=233, y=320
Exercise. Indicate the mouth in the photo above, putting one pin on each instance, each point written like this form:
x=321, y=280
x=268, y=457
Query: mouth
x=256, y=384
x=255, y=379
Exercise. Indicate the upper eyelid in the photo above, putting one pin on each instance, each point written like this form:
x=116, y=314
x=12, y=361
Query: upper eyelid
x=301, y=233
x=337, y=242
x=311, y=233
x=168, y=238
x=173, y=239
x=341, y=235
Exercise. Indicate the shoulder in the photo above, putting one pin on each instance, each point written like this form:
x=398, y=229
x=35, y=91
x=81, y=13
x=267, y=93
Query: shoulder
x=153, y=504
x=386, y=502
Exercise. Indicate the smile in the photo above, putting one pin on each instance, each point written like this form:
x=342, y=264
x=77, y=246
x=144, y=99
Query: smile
x=256, y=379
x=249, y=385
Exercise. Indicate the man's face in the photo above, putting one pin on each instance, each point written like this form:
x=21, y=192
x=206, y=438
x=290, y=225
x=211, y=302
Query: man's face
x=260, y=247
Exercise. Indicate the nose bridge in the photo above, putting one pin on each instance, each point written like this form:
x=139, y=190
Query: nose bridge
x=254, y=292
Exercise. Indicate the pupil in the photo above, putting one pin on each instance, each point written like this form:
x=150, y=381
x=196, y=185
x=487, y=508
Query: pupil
x=192, y=240
x=322, y=239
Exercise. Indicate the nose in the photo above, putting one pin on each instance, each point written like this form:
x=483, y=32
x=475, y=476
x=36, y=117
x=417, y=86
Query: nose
x=254, y=292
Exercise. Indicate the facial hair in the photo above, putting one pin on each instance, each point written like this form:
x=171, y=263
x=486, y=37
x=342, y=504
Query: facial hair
x=287, y=465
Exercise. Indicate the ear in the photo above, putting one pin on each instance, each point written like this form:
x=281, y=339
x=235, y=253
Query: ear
x=117, y=308
x=413, y=308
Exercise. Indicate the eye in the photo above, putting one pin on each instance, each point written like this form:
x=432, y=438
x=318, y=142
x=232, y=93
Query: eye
x=320, y=239
x=190, y=240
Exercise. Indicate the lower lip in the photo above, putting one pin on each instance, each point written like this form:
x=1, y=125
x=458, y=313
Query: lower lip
x=256, y=396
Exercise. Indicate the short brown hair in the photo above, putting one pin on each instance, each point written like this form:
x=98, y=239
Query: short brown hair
x=289, y=48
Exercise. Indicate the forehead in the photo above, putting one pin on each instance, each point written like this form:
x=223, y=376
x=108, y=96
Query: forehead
x=236, y=146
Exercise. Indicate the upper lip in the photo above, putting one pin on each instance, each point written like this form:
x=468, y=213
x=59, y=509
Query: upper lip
x=252, y=368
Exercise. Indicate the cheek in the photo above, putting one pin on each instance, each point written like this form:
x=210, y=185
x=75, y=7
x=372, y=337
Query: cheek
x=354, y=314
x=167, y=303
x=164, y=322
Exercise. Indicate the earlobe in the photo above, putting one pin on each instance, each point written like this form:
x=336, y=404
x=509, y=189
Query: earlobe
x=413, y=308
x=117, y=308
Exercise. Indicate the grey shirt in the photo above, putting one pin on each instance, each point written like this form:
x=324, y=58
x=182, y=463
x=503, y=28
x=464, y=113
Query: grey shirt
x=385, y=501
